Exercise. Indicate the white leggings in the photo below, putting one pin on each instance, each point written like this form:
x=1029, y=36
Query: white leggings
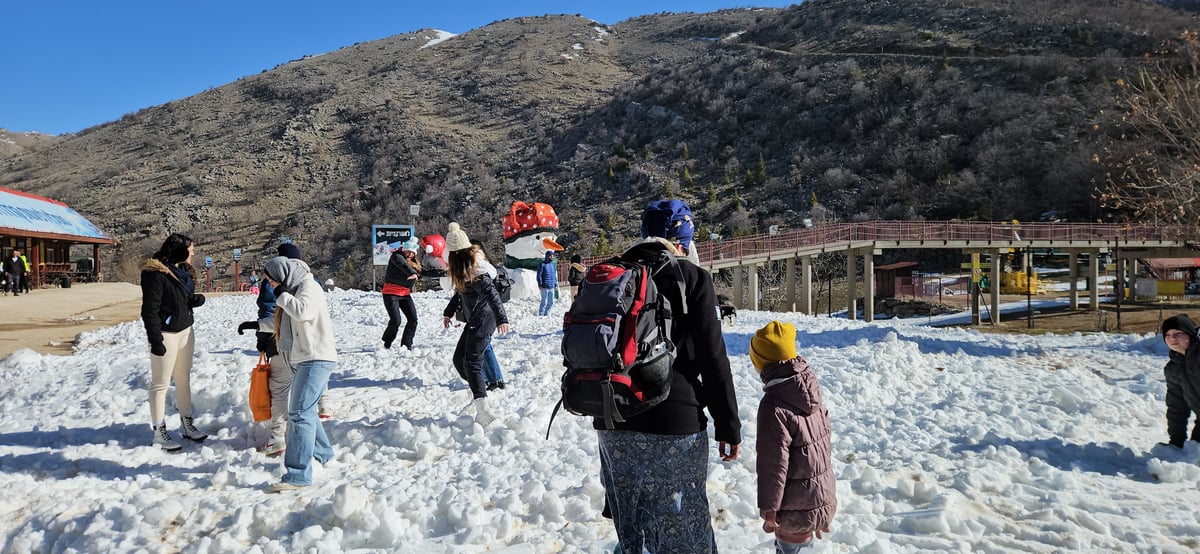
x=177, y=363
x=280, y=385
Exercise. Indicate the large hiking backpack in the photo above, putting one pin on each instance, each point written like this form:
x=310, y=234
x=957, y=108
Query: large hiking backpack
x=617, y=336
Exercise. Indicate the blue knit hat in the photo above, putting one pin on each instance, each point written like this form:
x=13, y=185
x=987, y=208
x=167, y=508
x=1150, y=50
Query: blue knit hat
x=669, y=219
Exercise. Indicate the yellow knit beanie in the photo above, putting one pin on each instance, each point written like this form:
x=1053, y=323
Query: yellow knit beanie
x=774, y=343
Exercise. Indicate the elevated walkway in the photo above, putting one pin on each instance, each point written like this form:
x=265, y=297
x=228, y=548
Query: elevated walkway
x=1124, y=242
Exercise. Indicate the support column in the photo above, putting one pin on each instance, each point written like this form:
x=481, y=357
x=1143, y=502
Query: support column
x=869, y=286
x=1073, y=275
x=739, y=277
x=1094, y=278
x=1132, y=266
x=1119, y=284
x=806, y=300
x=851, y=285
x=753, y=277
x=994, y=290
x=789, y=280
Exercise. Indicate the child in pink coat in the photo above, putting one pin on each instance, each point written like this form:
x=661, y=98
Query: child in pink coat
x=797, y=491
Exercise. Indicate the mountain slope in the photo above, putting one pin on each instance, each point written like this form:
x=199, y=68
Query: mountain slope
x=921, y=109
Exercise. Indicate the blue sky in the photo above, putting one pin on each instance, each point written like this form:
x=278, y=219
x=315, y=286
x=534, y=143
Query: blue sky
x=68, y=65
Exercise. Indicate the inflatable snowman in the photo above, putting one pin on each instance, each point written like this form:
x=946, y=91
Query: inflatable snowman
x=529, y=231
x=434, y=262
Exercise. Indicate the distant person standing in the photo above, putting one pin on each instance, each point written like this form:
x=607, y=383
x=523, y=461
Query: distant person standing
x=25, y=275
x=547, y=280
x=575, y=274
x=168, y=298
x=14, y=270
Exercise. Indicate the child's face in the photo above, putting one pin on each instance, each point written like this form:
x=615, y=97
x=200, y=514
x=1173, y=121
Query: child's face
x=1177, y=341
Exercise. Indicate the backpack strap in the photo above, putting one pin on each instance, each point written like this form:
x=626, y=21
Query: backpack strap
x=552, y=414
x=658, y=258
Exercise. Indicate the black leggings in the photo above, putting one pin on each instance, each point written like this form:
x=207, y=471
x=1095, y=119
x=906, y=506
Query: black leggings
x=395, y=305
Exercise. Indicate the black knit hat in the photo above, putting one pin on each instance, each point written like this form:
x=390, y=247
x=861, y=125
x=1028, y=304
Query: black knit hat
x=1181, y=322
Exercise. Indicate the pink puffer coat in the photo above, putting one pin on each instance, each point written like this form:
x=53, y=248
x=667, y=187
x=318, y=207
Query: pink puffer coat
x=795, y=474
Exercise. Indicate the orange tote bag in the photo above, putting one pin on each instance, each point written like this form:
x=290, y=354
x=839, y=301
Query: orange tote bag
x=260, y=390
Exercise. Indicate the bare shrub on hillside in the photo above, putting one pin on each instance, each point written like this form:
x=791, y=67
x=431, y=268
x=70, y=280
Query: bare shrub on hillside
x=1158, y=177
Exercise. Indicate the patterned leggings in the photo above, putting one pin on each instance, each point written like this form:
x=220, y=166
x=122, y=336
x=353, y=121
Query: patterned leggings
x=654, y=485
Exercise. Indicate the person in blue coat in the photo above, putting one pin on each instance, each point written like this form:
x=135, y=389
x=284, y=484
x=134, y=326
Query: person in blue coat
x=547, y=280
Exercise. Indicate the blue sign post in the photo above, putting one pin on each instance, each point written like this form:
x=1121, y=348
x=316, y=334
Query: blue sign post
x=384, y=240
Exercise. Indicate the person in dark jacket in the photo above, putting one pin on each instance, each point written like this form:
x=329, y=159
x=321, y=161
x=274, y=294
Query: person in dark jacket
x=575, y=274
x=797, y=491
x=654, y=466
x=403, y=269
x=14, y=269
x=1183, y=379
x=477, y=297
x=168, y=297
x=547, y=280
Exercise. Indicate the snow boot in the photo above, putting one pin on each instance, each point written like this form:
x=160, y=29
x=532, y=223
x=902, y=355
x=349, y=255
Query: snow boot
x=274, y=447
x=483, y=412
x=163, y=440
x=189, y=431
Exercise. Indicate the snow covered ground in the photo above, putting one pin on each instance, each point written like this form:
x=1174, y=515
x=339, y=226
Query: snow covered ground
x=946, y=440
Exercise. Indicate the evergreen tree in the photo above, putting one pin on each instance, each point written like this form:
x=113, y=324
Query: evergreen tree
x=602, y=247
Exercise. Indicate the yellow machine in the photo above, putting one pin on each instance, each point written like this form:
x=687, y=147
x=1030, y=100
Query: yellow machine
x=1015, y=282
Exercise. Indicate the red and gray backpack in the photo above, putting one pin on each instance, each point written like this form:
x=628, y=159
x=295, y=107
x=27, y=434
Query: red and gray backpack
x=616, y=342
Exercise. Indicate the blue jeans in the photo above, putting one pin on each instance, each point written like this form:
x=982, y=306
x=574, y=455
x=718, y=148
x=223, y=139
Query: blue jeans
x=306, y=437
x=547, y=301
x=491, y=366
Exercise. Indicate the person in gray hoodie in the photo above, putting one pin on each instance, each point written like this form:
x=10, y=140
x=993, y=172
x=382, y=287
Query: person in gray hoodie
x=1183, y=378
x=797, y=491
x=304, y=337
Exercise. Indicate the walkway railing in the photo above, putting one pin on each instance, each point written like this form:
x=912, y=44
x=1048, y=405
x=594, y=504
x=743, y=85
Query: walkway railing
x=917, y=234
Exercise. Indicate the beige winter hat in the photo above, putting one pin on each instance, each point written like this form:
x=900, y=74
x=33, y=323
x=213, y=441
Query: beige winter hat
x=456, y=238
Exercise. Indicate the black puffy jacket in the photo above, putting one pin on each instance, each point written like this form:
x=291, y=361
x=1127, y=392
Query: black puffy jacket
x=166, y=302
x=1183, y=382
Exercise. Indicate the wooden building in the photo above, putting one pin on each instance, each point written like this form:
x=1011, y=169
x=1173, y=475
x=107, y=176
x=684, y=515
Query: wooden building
x=44, y=231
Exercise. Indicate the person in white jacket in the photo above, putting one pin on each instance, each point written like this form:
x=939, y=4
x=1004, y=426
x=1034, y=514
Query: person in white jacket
x=304, y=336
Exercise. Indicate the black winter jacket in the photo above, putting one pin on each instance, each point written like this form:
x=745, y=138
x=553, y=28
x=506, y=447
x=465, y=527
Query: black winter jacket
x=700, y=376
x=480, y=304
x=1183, y=383
x=166, y=302
x=398, y=271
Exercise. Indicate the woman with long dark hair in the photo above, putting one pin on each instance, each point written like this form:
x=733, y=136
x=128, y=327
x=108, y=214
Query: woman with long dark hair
x=168, y=297
x=476, y=295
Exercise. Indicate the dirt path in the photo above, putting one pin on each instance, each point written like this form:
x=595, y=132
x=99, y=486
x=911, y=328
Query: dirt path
x=48, y=320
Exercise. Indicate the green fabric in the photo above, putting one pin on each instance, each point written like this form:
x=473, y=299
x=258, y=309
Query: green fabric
x=513, y=263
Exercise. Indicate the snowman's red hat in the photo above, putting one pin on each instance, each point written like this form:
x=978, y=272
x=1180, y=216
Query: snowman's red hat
x=526, y=219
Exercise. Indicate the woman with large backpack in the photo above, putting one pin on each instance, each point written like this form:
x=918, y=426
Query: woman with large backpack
x=476, y=295
x=658, y=503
